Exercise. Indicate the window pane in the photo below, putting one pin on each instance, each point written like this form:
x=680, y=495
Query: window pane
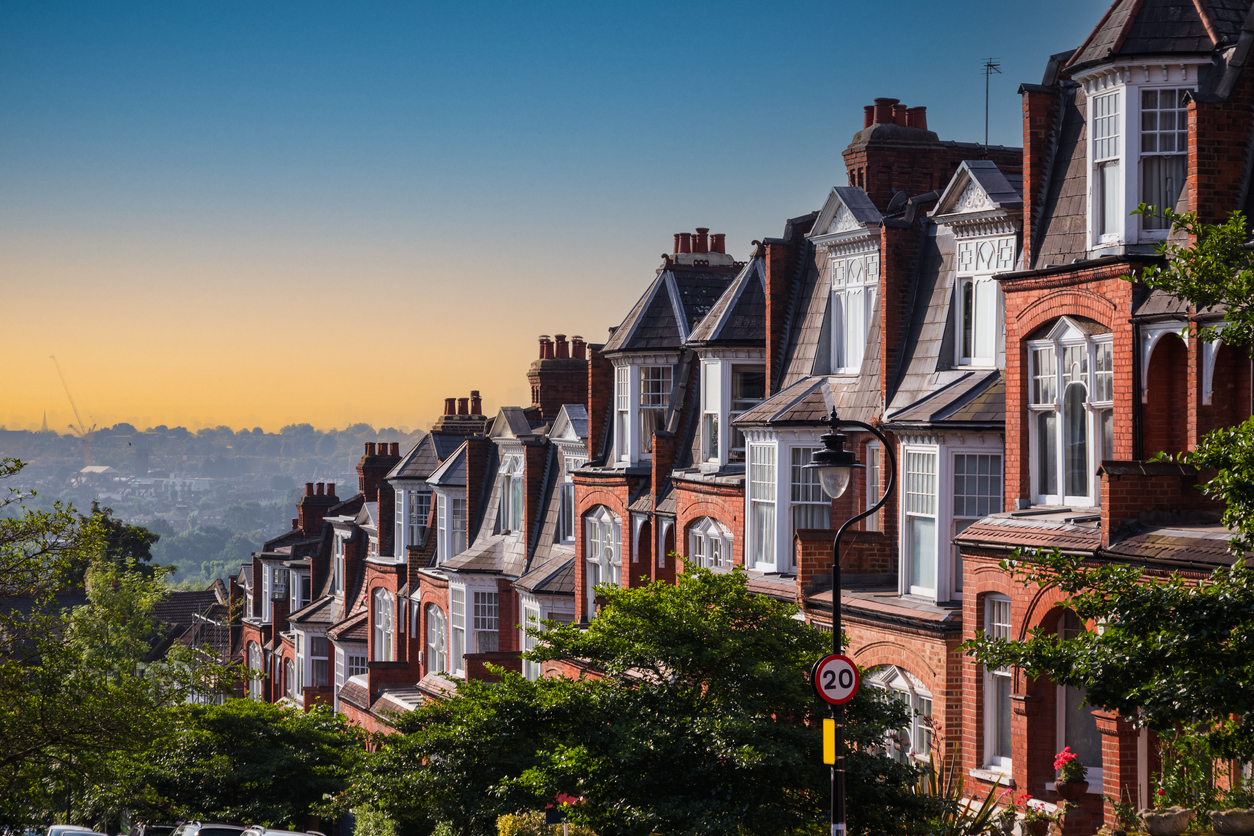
x=922, y=552
x=1047, y=450
x=1001, y=715
x=1109, y=202
x=1077, y=446
x=872, y=523
x=1162, y=178
x=968, y=319
x=985, y=319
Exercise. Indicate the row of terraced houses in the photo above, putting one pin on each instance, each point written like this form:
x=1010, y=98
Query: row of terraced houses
x=969, y=300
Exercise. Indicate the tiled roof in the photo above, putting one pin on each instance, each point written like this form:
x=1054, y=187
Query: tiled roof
x=438, y=687
x=888, y=604
x=452, y=473
x=418, y=463
x=773, y=586
x=355, y=692
x=687, y=292
x=1204, y=544
x=395, y=699
x=974, y=398
x=489, y=554
x=1159, y=303
x=801, y=403
x=739, y=316
x=1161, y=27
x=555, y=576
x=1033, y=532
x=318, y=612
x=352, y=629
x=182, y=606
x=1064, y=218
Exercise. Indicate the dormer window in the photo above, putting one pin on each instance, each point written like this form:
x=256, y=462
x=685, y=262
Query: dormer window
x=655, y=395
x=417, y=512
x=1107, y=184
x=338, y=565
x=1164, y=150
x=451, y=531
x=566, y=522
x=641, y=397
x=510, y=514
x=978, y=305
x=727, y=391
x=855, y=282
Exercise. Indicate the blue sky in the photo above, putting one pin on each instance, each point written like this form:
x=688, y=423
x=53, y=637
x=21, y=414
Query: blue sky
x=192, y=193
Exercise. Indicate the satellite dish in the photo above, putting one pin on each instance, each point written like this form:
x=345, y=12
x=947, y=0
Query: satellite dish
x=897, y=203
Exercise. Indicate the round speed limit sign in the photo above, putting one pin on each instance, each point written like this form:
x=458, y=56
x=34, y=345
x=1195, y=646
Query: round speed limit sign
x=836, y=679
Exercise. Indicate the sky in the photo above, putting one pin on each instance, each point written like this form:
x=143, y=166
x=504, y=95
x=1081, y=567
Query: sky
x=264, y=213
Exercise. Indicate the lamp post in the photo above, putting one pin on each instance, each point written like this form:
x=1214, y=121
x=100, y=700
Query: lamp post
x=835, y=465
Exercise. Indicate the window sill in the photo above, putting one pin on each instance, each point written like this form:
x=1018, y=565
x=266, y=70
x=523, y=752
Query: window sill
x=993, y=776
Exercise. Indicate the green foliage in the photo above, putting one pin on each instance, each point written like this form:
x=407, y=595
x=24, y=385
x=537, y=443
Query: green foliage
x=124, y=545
x=956, y=813
x=1187, y=777
x=247, y=761
x=531, y=823
x=698, y=720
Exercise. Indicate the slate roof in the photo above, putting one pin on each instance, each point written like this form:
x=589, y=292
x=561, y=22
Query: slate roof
x=182, y=606
x=420, y=462
x=352, y=629
x=489, y=554
x=1207, y=544
x=888, y=605
x=739, y=315
x=976, y=398
x=1161, y=27
x=1159, y=303
x=1044, y=531
x=512, y=422
x=452, y=473
x=672, y=306
x=1064, y=215
x=355, y=691
x=318, y=612
x=555, y=576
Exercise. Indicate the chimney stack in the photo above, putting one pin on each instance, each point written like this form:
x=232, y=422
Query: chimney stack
x=883, y=111
x=331, y=490
x=676, y=243
x=916, y=117
x=295, y=523
x=899, y=114
x=320, y=487
x=702, y=242
x=450, y=406
x=685, y=242
x=718, y=242
x=563, y=347
x=463, y=406
x=309, y=489
x=546, y=347
x=476, y=403
x=578, y=348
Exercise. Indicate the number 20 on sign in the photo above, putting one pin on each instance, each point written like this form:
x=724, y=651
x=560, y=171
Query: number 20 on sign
x=835, y=679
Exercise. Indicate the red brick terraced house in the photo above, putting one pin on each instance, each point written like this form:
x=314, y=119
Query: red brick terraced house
x=1155, y=107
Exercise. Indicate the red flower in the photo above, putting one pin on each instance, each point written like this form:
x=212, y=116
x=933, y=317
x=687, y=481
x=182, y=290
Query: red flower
x=1162, y=792
x=1064, y=757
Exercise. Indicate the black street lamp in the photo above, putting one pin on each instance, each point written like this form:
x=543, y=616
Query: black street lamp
x=835, y=465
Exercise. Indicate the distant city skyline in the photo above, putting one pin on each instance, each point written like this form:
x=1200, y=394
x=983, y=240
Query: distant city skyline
x=263, y=214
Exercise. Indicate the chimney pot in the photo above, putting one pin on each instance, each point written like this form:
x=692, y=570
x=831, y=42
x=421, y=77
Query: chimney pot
x=676, y=243
x=476, y=403
x=916, y=117
x=563, y=347
x=295, y=523
x=578, y=348
x=369, y=448
x=899, y=114
x=701, y=243
x=685, y=242
x=544, y=339
x=450, y=404
x=884, y=110
x=319, y=488
x=718, y=242
x=331, y=489
x=868, y=116
x=463, y=406
x=309, y=489
x=394, y=449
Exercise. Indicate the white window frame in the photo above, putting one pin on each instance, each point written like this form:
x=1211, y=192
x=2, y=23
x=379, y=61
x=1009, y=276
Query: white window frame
x=978, y=298
x=486, y=604
x=623, y=427
x=457, y=629
x=383, y=624
x=874, y=473
x=417, y=513
x=338, y=569
x=961, y=515
x=315, y=658
x=713, y=416
x=1145, y=155
x=855, y=279
x=710, y=544
x=1107, y=110
x=653, y=397
x=531, y=620
x=603, y=556
x=436, y=640
x=266, y=603
x=1093, y=771
x=808, y=506
x=340, y=677
x=256, y=664
x=763, y=473
x=918, y=700
x=1047, y=393
x=721, y=375
x=993, y=604
x=567, y=531
x=920, y=501
x=300, y=649
x=511, y=506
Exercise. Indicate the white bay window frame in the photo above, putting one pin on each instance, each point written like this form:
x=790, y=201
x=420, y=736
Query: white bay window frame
x=511, y=508
x=383, y=625
x=855, y=279
x=733, y=381
x=457, y=628
x=978, y=305
x=768, y=545
x=572, y=459
x=710, y=544
x=603, y=531
x=1129, y=162
x=1071, y=413
x=642, y=392
x=998, y=688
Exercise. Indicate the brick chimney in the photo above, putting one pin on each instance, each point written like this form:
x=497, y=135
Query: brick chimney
x=600, y=394
x=373, y=468
x=450, y=406
x=685, y=242
x=718, y=242
x=701, y=244
x=558, y=380
x=578, y=348
x=476, y=402
x=312, y=508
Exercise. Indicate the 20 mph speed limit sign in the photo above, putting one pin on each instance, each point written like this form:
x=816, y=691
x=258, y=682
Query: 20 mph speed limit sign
x=835, y=679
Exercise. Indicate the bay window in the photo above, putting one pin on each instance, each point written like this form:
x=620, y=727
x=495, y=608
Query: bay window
x=977, y=493
x=487, y=621
x=266, y=603
x=566, y=517
x=1164, y=151
x=257, y=666
x=318, y=652
x=417, y=512
x=457, y=627
x=510, y=516
x=655, y=395
x=1107, y=181
x=603, y=558
x=998, y=686
x=872, y=523
x=382, y=619
x=727, y=391
x=710, y=544
x=437, y=640
x=920, y=511
x=622, y=406
x=1071, y=411
x=299, y=644
x=356, y=663
x=711, y=409
x=531, y=621
x=337, y=572
x=811, y=508
x=762, y=506
x=748, y=390
x=914, y=741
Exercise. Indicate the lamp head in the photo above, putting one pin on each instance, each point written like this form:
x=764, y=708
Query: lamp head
x=833, y=462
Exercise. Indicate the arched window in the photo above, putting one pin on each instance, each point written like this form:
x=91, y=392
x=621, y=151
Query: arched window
x=1071, y=398
x=710, y=544
x=258, y=666
x=383, y=622
x=604, y=558
x=914, y=740
x=437, y=640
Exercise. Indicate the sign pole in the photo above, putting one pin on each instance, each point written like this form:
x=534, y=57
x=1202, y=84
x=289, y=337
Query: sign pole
x=838, y=711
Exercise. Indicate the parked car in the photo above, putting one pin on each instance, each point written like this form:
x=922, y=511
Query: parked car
x=60, y=829
x=258, y=830
x=147, y=829
x=198, y=828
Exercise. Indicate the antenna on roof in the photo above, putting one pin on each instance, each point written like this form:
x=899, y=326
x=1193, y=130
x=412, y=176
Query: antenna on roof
x=991, y=66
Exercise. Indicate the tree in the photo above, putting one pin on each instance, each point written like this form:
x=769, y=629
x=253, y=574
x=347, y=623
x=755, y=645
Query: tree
x=247, y=761
x=124, y=545
x=697, y=719
x=1171, y=652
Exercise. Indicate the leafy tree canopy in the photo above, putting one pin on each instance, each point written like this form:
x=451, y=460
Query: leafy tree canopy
x=696, y=718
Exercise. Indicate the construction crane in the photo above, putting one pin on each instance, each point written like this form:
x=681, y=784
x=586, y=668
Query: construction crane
x=82, y=430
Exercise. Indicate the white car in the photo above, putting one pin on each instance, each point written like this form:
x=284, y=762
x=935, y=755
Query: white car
x=61, y=829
